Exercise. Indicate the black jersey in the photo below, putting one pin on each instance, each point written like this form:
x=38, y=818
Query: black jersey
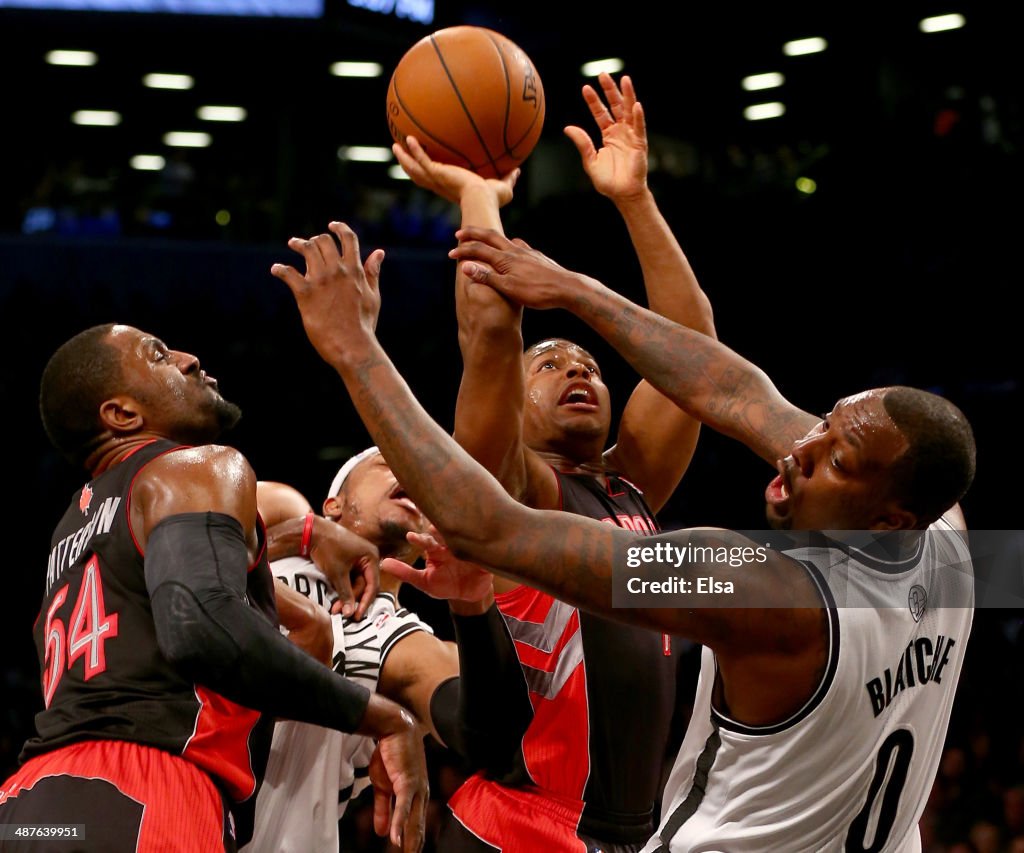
x=103, y=675
x=603, y=695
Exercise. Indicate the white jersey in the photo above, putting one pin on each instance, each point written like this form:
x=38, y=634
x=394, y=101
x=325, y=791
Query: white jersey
x=852, y=770
x=313, y=772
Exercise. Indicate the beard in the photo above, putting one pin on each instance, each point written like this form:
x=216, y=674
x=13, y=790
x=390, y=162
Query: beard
x=392, y=539
x=227, y=414
x=209, y=421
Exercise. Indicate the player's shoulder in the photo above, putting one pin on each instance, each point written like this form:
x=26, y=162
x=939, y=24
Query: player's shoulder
x=218, y=460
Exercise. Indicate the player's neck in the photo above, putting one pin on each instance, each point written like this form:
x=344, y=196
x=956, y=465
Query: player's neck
x=568, y=465
x=114, y=449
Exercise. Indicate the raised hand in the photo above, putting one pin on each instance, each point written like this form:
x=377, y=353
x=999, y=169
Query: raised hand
x=445, y=576
x=338, y=297
x=448, y=181
x=524, y=275
x=618, y=169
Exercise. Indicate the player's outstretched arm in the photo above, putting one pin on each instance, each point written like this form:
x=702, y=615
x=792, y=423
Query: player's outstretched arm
x=705, y=378
x=489, y=407
x=566, y=555
x=656, y=439
x=194, y=516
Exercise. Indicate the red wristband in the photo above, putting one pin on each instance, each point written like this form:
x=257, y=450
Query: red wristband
x=307, y=535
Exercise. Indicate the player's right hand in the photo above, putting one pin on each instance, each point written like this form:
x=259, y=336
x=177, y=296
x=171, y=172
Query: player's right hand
x=444, y=576
x=350, y=563
x=448, y=181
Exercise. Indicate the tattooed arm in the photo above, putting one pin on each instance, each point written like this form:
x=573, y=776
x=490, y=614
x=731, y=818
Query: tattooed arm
x=769, y=634
x=703, y=377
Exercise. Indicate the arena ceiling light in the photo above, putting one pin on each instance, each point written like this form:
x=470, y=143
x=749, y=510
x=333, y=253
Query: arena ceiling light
x=612, y=65
x=756, y=82
x=96, y=118
x=801, y=47
x=81, y=58
x=147, y=162
x=168, y=81
x=357, y=69
x=397, y=173
x=756, y=112
x=364, y=153
x=187, y=139
x=939, y=23
x=221, y=113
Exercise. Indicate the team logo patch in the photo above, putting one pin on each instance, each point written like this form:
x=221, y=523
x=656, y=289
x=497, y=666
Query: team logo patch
x=917, y=600
x=85, y=500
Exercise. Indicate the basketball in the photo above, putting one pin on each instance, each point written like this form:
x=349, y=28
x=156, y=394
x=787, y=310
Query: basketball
x=471, y=97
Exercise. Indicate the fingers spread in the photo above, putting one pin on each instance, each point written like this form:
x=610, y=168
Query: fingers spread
x=289, y=275
x=612, y=93
x=581, y=139
x=349, y=241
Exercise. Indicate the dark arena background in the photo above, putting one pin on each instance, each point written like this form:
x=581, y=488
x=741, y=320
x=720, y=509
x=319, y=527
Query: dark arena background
x=868, y=235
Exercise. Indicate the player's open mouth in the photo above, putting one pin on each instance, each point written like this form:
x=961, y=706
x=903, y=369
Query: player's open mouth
x=581, y=395
x=777, y=493
x=399, y=496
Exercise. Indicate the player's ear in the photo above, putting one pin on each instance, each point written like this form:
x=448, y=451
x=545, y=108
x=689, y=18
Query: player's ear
x=121, y=415
x=332, y=509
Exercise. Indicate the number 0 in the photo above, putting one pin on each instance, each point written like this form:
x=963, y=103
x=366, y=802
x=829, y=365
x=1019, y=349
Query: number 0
x=897, y=750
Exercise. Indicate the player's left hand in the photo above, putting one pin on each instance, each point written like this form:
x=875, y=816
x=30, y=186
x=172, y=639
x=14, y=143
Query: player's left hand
x=618, y=169
x=338, y=297
x=513, y=268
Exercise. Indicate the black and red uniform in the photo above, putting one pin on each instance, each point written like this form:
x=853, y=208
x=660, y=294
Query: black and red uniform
x=589, y=766
x=120, y=725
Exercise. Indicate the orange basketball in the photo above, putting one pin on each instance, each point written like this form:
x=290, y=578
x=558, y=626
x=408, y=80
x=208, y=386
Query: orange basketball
x=471, y=97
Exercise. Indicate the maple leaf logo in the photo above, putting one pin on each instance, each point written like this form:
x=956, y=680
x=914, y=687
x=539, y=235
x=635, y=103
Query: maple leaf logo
x=85, y=500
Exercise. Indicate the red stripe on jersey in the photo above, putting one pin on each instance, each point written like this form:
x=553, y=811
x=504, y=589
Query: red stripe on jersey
x=518, y=820
x=556, y=746
x=529, y=605
x=183, y=810
x=131, y=488
x=220, y=742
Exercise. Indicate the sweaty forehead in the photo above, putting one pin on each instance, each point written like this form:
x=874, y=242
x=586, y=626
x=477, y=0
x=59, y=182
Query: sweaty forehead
x=864, y=420
x=128, y=339
x=553, y=345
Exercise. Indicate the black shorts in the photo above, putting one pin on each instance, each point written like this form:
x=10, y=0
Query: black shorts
x=113, y=796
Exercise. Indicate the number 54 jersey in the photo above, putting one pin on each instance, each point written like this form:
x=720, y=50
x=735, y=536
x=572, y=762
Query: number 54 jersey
x=103, y=675
x=853, y=768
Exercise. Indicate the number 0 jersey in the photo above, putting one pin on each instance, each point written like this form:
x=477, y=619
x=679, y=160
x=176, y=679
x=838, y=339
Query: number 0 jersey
x=104, y=677
x=851, y=770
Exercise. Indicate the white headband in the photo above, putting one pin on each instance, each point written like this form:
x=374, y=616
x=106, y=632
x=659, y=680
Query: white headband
x=346, y=469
